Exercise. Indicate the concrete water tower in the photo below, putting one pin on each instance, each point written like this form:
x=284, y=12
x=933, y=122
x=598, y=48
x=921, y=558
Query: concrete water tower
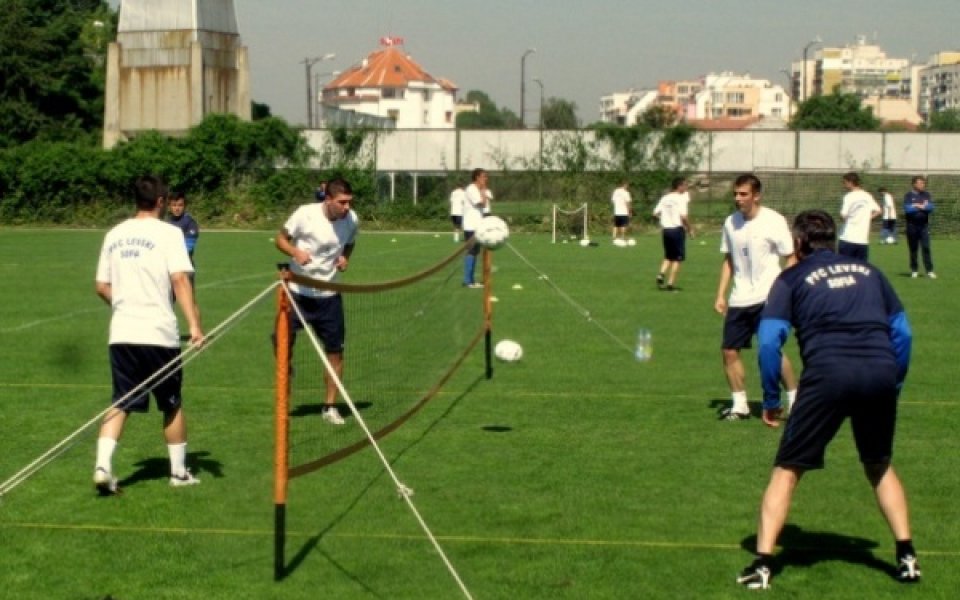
x=174, y=62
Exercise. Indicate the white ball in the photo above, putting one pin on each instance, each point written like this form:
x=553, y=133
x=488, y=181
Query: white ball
x=584, y=242
x=891, y=240
x=508, y=351
x=492, y=232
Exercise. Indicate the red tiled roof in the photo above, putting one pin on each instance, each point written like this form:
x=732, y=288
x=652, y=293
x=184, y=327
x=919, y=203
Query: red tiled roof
x=386, y=67
x=727, y=124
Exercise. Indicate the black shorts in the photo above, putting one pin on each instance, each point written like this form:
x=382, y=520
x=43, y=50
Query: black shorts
x=325, y=317
x=457, y=221
x=740, y=325
x=674, y=244
x=852, y=250
x=621, y=220
x=132, y=364
x=863, y=390
x=475, y=249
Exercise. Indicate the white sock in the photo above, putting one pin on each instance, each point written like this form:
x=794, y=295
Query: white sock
x=105, y=448
x=178, y=458
x=740, y=402
x=791, y=398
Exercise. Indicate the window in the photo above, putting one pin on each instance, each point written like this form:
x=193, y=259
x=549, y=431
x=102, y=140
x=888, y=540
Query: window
x=393, y=114
x=735, y=97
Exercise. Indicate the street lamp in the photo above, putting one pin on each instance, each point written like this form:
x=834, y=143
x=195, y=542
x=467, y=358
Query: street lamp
x=523, y=84
x=540, y=83
x=803, y=68
x=308, y=63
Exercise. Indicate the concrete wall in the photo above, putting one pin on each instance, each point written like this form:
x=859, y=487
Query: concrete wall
x=726, y=151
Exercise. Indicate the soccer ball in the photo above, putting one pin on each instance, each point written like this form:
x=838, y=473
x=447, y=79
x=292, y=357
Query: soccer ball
x=508, y=351
x=891, y=240
x=492, y=233
x=585, y=242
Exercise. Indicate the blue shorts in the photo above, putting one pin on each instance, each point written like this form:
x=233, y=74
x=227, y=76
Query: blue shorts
x=457, y=221
x=861, y=251
x=475, y=249
x=740, y=325
x=674, y=244
x=132, y=364
x=863, y=390
x=325, y=317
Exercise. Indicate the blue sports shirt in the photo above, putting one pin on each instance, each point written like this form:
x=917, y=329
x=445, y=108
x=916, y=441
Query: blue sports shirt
x=190, y=229
x=842, y=309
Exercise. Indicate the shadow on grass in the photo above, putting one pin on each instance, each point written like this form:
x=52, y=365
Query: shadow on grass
x=306, y=410
x=802, y=548
x=312, y=543
x=159, y=468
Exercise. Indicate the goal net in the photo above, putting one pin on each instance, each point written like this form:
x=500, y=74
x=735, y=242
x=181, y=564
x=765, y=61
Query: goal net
x=569, y=224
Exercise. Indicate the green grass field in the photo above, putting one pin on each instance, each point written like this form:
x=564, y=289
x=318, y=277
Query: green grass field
x=576, y=473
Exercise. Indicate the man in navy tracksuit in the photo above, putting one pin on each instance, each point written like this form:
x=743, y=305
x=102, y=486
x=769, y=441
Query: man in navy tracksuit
x=855, y=342
x=917, y=206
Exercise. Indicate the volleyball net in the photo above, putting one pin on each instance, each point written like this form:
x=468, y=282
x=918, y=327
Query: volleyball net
x=405, y=338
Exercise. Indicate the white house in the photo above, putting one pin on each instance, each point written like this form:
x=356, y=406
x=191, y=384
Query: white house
x=390, y=86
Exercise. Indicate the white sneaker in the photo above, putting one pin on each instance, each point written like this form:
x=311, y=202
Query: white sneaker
x=332, y=415
x=914, y=275
x=105, y=482
x=932, y=275
x=183, y=480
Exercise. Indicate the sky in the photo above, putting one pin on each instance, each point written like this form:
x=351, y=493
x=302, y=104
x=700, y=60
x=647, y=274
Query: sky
x=584, y=49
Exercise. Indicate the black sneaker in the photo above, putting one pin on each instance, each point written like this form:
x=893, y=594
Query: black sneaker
x=728, y=414
x=660, y=281
x=908, y=569
x=755, y=577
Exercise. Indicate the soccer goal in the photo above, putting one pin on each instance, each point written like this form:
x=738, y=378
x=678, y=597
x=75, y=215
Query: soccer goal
x=569, y=224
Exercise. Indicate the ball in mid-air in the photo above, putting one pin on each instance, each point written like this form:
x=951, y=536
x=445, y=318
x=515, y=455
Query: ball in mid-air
x=492, y=233
x=508, y=351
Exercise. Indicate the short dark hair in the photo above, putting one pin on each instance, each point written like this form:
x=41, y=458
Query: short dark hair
x=338, y=186
x=917, y=178
x=147, y=189
x=814, y=230
x=749, y=179
x=852, y=178
x=178, y=195
x=677, y=182
x=476, y=173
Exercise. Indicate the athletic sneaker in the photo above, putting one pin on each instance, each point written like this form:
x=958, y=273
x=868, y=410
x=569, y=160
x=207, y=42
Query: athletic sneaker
x=105, y=483
x=914, y=275
x=932, y=275
x=660, y=281
x=332, y=415
x=183, y=480
x=755, y=577
x=473, y=286
x=908, y=569
x=728, y=414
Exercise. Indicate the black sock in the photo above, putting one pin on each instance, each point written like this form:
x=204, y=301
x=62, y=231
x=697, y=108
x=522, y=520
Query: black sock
x=763, y=560
x=905, y=547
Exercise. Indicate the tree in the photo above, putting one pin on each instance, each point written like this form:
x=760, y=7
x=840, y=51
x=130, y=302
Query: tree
x=834, y=112
x=944, y=120
x=487, y=115
x=559, y=114
x=52, y=68
x=658, y=116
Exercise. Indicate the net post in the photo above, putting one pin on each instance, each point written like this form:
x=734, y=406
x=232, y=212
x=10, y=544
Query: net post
x=281, y=425
x=586, y=220
x=488, y=311
x=553, y=236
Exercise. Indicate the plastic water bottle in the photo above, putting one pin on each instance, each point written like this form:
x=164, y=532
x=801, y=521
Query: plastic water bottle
x=644, y=351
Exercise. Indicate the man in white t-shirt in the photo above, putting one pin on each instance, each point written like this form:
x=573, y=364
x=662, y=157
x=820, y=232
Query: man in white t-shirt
x=888, y=231
x=622, y=210
x=142, y=261
x=753, y=241
x=457, y=198
x=474, y=208
x=319, y=238
x=674, y=226
x=858, y=210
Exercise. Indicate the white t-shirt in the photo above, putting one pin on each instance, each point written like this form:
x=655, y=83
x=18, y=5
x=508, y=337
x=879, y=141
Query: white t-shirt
x=457, y=197
x=889, y=208
x=324, y=240
x=755, y=248
x=857, y=212
x=621, y=202
x=488, y=207
x=472, y=208
x=672, y=209
x=136, y=259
